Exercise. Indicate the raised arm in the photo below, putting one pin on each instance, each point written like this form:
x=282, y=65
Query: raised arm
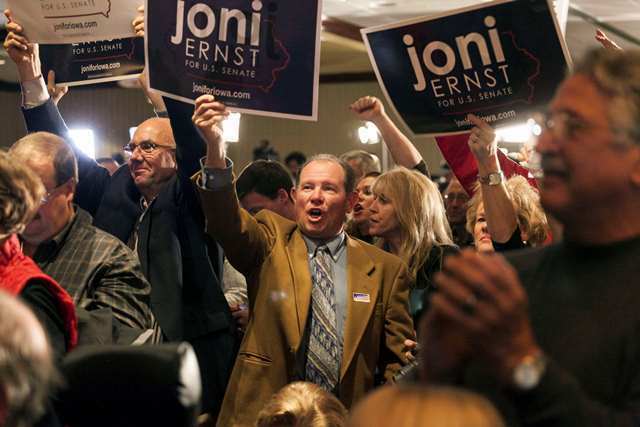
x=42, y=115
x=502, y=220
x=245, y=240
x=402, y=150
x=605, y=41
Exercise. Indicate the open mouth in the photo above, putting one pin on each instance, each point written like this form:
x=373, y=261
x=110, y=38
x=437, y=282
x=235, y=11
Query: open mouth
x=357, y=208
x=315, y=214
x=553, y=167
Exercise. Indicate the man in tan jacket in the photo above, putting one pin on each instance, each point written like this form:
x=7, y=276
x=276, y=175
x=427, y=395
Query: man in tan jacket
x=371, y=318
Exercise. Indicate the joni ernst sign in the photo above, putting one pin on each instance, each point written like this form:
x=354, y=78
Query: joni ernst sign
x=256, y=56
x=501, y=60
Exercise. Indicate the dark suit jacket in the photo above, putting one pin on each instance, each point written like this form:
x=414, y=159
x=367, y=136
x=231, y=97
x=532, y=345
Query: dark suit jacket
x=183, y=265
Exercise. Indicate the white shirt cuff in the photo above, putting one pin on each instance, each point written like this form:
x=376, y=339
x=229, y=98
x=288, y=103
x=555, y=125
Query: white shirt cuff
x=34, y=93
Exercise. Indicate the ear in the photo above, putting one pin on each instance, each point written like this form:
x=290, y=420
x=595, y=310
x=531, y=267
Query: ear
x=282, y=195
x=70, y=190
x=293, y=194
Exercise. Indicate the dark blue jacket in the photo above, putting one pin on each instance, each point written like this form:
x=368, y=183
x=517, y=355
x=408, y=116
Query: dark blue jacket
x=183, y=265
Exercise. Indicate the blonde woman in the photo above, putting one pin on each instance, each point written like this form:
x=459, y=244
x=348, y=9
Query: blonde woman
x=302, y=404
x=408, y=216
x=408, y=406
x=502, y=215
x=531, y=223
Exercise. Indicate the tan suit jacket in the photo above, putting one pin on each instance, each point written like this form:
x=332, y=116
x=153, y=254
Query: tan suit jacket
x=270, y=251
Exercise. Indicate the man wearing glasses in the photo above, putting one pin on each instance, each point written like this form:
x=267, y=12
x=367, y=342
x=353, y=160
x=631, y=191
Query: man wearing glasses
x=100, y=273
x=151, y=205
x=556, y=341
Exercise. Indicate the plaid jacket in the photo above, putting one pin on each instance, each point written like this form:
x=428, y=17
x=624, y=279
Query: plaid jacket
x=98, y=271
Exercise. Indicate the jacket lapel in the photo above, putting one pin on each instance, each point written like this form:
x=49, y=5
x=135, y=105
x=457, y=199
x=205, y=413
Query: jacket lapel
x=297, y=255
x=361, y=287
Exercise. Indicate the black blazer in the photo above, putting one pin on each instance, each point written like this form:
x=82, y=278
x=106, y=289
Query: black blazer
x=183, y=265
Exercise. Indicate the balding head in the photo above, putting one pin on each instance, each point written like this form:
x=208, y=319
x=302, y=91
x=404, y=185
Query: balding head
x=27, y=373
x=153, y=162
x=160, y=129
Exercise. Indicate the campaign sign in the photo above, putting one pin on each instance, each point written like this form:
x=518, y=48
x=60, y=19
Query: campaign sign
x=74, y=21
x=501, y=60
x=94, y=62
x=256, y=56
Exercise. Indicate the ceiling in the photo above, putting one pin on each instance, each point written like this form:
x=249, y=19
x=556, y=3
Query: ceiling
x=343, y=52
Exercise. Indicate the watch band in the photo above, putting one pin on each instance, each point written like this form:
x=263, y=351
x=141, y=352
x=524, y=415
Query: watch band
x=528, y=373
x=493, y=178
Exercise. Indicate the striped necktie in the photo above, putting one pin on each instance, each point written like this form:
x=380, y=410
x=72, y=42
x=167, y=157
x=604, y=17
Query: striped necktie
x=325, y=351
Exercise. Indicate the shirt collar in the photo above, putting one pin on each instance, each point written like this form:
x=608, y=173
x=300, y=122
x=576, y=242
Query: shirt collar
x=49, y=248
x=335, y=245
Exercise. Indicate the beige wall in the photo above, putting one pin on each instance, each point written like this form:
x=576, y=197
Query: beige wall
x=111, y=111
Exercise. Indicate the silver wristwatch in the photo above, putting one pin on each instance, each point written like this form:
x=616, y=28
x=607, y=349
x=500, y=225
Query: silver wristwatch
x=529, y=371
x=494, y=178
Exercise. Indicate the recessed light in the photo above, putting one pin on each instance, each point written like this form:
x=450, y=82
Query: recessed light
x=383, y=3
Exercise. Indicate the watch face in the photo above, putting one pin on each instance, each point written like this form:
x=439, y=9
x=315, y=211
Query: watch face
x=526, y=376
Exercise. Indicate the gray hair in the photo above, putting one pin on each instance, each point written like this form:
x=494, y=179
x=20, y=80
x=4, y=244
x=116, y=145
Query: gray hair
x=27, y=372
x=20, y=193
x=617, y=76
x=49, y=148
x=349, y=175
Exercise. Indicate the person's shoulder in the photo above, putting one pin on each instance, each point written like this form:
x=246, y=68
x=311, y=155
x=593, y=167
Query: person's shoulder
x=529, y=259
x=376, y=254
x=275, y=221
x=94, y=235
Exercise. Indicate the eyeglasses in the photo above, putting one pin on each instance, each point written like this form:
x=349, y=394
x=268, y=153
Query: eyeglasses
x=47, y=197
x=146, y=147
x=564, y=124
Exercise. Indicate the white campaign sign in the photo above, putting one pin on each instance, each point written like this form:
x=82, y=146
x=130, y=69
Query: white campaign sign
x=74, y=21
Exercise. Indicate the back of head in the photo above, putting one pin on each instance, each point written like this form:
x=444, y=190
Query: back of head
x=617, y=76
x=362, y=162
x=27, y=373
x=302, y=404
x=20, y=193
x=409, y=406
x=47, y=148
x=264, y=177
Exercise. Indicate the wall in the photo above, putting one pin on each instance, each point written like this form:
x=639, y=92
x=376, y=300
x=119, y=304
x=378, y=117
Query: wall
x=110, y=111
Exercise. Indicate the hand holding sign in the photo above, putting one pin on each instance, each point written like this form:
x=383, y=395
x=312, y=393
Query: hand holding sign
x=75, y=21
x=207, y=117
x=605, y=41
x=483, y=143
x=138, y=23
x=21, y=51
x=55, y=92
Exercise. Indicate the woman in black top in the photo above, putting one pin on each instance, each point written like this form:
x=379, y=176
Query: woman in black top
x=408, y=216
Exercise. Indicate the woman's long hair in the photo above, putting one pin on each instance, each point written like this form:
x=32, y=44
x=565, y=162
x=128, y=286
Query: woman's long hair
x=420, y=212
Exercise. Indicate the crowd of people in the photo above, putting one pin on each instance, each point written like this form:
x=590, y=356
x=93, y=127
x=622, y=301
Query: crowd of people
x=326, y=292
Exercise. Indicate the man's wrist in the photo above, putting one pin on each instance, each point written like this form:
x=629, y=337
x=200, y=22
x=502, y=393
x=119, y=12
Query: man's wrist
x=527, y=372
x=213, y=178
x=34, y=92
